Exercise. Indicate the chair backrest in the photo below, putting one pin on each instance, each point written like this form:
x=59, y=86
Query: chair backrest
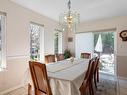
x=90, y=69
x=39, y=77
x=88, y=78
x=86, y=55
x=59, y=57
x=96, y=64
x=49, y=58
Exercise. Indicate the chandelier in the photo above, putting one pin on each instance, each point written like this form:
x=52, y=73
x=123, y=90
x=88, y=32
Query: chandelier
x=69, y=20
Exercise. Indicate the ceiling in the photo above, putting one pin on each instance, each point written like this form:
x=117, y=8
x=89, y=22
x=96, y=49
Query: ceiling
x=88, y=9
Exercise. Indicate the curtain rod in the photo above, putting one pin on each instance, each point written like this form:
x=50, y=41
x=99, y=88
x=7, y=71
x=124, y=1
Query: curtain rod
x=37, y=24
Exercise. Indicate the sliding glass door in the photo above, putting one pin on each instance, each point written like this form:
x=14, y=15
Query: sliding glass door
x=105, y=50
x=100, y=44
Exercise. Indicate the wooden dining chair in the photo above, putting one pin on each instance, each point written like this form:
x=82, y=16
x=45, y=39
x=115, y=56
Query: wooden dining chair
x=40, y=79
x=96, y=71
x=87, y=85
x=86, y=55
x=59, y=57
x=49, y=58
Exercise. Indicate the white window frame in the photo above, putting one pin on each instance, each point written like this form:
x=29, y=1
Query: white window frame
x=41, y=41
x=60, y=42
x=3, y=41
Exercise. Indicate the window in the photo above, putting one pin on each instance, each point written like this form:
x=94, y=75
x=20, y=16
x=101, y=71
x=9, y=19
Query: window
x=57, y=42
x=2, y=42
x=36, y=42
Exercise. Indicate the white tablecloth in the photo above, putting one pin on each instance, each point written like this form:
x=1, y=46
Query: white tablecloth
x=66, y=77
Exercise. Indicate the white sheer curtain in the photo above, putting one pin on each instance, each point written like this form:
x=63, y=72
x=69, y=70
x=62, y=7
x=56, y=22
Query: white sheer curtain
x=2, y=41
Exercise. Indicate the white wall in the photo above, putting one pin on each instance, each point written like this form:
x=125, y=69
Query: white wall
x=84, y=43
x=64, y=41
x=18, y=19
x=71, y=45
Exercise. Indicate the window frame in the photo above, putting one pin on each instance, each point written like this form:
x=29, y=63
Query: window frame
x=41, y=39
x=60, y=42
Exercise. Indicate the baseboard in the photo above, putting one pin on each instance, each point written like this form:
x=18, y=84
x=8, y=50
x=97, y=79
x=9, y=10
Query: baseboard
x=122, y=78
x=11, y=89
x=122, y=81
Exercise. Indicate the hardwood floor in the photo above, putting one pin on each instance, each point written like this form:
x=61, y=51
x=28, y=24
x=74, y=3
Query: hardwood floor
x=107, y=86
x=123, y=87
x=20, y=91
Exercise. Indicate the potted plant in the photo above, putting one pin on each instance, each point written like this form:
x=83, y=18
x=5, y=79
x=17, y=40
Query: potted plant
x=67, y=54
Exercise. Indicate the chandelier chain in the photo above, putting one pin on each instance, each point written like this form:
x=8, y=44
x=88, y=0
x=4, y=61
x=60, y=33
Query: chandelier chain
x=69, y=5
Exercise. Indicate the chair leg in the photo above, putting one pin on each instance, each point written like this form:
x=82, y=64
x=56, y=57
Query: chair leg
x=29, y=89
x=92, y=89
x=97, y=74
x=95, y=81
x=90, y=92
x=87, y=91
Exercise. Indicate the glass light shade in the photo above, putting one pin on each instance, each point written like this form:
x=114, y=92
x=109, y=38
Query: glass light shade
x=69, y=21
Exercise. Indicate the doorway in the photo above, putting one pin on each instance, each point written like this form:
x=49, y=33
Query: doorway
x=100, y=44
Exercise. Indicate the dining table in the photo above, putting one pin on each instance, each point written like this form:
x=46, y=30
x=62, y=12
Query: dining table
x=66, y=76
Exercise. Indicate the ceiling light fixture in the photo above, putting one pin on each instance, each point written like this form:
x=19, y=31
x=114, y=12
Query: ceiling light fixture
x=69, y=20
